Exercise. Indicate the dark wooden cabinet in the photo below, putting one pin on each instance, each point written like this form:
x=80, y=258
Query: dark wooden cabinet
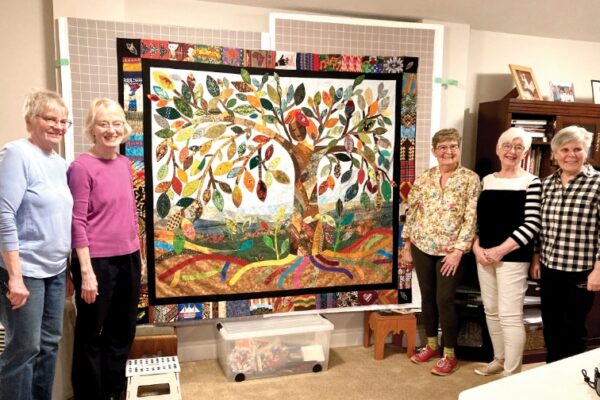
x=496, y=116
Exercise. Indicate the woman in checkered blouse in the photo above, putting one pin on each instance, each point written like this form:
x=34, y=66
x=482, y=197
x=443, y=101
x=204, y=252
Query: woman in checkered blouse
x=569, y=259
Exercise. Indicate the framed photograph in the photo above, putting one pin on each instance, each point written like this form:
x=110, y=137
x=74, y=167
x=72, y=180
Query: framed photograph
x=526, y=84
x=596, y=91
x=562, y=91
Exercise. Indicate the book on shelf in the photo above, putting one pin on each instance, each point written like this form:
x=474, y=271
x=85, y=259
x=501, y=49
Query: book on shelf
x=532, y=161
x=536, y=122
x=537, y=128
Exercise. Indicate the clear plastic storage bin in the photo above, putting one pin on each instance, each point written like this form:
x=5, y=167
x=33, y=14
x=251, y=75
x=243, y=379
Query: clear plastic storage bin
x=274, y=346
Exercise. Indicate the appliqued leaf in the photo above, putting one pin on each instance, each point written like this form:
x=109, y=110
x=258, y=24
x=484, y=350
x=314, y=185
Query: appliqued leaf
x=217, y=199
x=184, y=201
x=161, y=121
x=163, y=205
x=281, y=177
x=261, y=190
x=224, y=186
x=249, y=181
x=176, y=185
x=190, y=188
x=245, y=75
x=242, y=87
x=386, y=190
x=273, y=95
x=347, y=220
x=168, y=112
x=162, y=187
x=215, y=131
x=351, y=192
x=299, y=94
x=161, y=150
x=223, y=168
x=237, y=196
x=212, y=86
x=268, y=241
x=183, y=107
x=184, y=134
x=162, y=172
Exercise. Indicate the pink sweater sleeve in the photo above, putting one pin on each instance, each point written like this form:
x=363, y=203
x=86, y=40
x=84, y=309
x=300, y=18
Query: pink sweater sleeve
x=80, y=184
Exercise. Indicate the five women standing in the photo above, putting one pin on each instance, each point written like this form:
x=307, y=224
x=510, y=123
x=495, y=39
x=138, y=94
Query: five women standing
x=35, y=239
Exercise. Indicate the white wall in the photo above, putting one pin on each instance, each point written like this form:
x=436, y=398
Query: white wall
x=28, y=60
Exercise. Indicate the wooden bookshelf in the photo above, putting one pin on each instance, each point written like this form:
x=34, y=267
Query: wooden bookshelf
x=495, y=117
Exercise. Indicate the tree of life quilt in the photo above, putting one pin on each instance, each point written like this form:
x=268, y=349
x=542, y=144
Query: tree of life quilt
x=268, y=181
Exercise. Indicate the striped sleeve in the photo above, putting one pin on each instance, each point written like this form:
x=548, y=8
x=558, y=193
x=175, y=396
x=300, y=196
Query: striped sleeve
x=532, y=222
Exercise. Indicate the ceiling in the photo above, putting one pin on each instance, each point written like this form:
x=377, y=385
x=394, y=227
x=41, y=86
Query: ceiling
x=574, y=19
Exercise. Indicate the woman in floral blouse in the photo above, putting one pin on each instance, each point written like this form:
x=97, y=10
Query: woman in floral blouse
x=439, y=229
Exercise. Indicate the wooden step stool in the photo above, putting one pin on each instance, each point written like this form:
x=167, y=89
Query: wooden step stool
x=154, y=378
x=154, y=341
x=382, y=324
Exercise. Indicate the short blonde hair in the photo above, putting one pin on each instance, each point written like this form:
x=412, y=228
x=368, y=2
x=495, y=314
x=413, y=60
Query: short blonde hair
x=445, y=135
x=515, y=133
x=39, y=101
x=111, y=105
x=572, y=133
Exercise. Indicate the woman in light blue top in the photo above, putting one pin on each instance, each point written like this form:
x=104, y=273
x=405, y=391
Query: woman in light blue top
x=35, y=240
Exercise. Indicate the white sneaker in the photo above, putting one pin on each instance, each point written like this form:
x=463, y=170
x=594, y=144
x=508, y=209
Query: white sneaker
x=493, y=368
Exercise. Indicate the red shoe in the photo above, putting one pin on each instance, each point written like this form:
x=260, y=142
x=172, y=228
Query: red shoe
x=424, y=355
x=445, y=366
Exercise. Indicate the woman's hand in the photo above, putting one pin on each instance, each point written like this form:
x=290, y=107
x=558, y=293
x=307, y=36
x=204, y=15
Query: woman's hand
x=89, y=286
x=451, y=262
x=17, y=293
x=494, y=254
x=534, y=268
x=406, y=260
x=480, y=256
x=593, y=281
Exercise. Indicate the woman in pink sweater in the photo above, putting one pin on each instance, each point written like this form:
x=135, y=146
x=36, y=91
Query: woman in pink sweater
x=106, y=264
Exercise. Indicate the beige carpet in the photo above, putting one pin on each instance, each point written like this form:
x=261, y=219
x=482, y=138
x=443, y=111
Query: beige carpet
x=352, y=374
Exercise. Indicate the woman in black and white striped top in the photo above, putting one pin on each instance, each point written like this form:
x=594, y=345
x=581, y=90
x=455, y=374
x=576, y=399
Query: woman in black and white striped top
x=569, y=260
x=508, y=219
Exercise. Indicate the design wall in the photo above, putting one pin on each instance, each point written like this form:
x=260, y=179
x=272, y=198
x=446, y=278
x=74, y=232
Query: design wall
x=92, y=47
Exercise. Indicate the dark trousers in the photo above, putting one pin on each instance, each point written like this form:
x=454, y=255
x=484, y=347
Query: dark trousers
x=437, y=296
x=564, y=311
x=105, y=329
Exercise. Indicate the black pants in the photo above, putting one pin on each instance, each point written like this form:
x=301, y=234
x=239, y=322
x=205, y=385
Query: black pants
x=105, y=329
x=437, y=296
x=564, y=311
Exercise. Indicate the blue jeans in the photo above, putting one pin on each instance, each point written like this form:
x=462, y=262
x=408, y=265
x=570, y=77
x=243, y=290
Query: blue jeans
x=33, y=331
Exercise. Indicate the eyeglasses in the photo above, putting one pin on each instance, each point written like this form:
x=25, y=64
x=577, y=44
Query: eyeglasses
x=516, y=147
x=443, y=148
x=106, y=125
x=596, y=383
x=53, y=122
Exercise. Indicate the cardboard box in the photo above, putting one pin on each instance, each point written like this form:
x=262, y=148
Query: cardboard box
x=273, y=346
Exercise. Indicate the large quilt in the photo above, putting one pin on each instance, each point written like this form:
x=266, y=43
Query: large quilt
x=268, y=181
